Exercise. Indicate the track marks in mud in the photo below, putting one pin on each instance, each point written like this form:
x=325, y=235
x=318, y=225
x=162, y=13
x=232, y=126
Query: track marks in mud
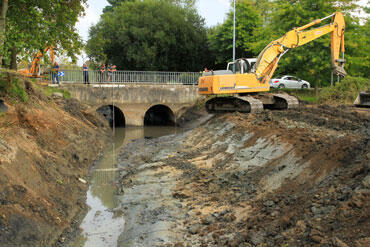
x=268, y=179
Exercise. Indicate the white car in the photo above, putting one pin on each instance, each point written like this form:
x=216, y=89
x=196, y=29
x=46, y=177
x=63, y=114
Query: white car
x=288, y=81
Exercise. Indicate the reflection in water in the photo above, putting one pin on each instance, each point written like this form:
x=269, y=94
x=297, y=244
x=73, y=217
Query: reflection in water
x=101, y=227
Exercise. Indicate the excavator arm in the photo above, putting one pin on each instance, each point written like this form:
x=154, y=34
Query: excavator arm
x=268, y=59
x=33, y=71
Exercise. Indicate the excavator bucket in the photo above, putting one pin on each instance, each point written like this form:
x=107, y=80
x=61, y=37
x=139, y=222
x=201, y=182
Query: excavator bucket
x=363, y=99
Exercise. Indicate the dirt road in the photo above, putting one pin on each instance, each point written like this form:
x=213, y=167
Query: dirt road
x=281, y=178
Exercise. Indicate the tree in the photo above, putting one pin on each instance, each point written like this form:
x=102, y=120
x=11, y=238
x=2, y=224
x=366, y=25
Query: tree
x=248, y=20
x=357, y=48
x=149, y=35
x=113, y=4
x=116, y=3
x=3, y=10
x=34, y=24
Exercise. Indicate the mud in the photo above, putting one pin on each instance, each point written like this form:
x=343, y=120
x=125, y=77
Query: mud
x=280, y=178
x=46, y=146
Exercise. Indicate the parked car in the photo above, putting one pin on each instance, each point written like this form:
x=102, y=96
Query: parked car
x=288, y=81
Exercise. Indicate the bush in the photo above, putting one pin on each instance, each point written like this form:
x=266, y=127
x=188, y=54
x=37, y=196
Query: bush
x=344, y=92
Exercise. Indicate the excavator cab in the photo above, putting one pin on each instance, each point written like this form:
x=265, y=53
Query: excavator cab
x=242, y=65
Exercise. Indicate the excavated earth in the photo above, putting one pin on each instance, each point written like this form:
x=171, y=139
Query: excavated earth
x=46, y=148
x=279, y=178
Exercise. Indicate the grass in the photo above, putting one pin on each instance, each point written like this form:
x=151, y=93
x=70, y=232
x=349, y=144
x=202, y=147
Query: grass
x=306, y=95
x=344, y=92
x=48, y=91
x=12, y=87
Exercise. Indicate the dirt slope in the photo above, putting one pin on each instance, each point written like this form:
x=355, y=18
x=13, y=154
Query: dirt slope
x=46, y=145
x=281, y=178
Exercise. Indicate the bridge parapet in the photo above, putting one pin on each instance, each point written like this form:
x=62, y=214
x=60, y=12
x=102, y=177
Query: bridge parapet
x=141, y=77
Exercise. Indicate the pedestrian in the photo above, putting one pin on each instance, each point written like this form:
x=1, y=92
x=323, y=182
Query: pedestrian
x=109, y=72
x=85, y=70
x=102, y=72
x=54, y=73
x=114, y=70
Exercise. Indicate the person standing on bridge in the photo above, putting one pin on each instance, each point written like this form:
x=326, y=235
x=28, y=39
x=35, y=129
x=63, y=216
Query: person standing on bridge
x=109, y=72
x=54, y=73
x=102, y=72
x=85, y=70
x=114, y=70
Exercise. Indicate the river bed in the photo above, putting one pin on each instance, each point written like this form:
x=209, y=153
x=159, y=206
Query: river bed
x=102, y=225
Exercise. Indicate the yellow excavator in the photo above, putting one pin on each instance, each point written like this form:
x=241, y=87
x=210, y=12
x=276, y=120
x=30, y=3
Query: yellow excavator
x=243, y=83
x=34, y=70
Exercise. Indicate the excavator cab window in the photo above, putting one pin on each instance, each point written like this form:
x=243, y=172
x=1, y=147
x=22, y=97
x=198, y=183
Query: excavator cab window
x=230, y=67
x=246, y=66
x=238, y=67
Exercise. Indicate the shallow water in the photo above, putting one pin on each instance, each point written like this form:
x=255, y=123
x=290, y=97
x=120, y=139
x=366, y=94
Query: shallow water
x=102, y=225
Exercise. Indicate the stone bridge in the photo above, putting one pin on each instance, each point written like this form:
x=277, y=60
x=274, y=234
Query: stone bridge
x=137, y=104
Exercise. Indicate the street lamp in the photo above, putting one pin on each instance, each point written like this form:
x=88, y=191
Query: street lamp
x=234, y=41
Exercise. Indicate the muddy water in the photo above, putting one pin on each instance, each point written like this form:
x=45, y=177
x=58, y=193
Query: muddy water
x=102, y=225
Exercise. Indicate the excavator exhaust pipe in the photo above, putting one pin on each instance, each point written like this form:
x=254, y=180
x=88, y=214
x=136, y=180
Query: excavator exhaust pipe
x=363, y=99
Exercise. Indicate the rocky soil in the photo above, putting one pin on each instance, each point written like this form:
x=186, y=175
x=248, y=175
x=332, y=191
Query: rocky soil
x=46, y=148
x=280, y=178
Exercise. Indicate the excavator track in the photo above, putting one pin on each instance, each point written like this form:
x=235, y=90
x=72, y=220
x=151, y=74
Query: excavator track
x=244, y=104
x=249, y=104
x=285, y=101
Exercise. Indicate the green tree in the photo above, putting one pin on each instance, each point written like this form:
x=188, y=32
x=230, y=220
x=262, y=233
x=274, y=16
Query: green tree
x=248, y=20
x=149, y=35
x=3, y=10
x=34, y=24
x=113, y=4
x=357, y=40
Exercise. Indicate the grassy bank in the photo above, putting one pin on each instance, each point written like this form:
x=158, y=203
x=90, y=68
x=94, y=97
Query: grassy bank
x=15, y=87
x=344, y=92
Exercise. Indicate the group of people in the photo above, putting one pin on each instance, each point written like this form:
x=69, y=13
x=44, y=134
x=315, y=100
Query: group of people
x=108, y=72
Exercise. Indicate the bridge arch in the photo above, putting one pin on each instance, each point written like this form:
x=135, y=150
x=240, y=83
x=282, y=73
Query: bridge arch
x=108, y=110
x=159, y=115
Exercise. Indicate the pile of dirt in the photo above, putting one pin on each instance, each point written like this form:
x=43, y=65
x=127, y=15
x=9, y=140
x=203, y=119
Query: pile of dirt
x=279, y=178
x=46, y=147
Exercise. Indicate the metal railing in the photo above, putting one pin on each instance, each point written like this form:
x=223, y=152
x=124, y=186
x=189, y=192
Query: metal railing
x=77, y=76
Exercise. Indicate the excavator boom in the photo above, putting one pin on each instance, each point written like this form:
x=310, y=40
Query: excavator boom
x=257, y=79
x=269, y=57
x=35, y=66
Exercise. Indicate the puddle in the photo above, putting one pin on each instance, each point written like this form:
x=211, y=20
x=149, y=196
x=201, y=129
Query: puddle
x=102, y=226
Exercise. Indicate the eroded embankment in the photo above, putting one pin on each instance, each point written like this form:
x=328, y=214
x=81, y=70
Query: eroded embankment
x=46, y=145
x=292, y=178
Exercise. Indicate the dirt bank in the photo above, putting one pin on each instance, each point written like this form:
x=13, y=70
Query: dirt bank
x=280, y=178
x=46, y=146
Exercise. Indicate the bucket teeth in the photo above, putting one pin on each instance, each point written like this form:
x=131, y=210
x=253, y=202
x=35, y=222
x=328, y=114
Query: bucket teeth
x=339, y=71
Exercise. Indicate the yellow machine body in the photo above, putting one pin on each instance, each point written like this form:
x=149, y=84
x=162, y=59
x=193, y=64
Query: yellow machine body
x=231, y=84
